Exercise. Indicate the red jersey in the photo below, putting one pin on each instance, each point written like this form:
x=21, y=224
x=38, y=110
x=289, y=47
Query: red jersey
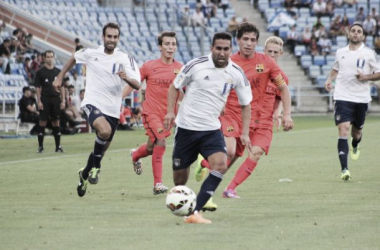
x=158, y=76
x=259, y=70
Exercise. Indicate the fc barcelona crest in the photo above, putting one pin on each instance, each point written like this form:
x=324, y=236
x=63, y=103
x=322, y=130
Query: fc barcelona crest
x=176, y=71
x=260, y=68
x=230, y=129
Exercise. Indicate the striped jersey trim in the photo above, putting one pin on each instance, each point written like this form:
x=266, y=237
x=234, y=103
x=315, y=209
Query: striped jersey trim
x=246, y=82
x=192, y=64
x=131, y=59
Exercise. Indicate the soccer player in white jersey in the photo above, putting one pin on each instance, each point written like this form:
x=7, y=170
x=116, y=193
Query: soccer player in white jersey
x=108, y=70
x=208, y=81
x=354, y=66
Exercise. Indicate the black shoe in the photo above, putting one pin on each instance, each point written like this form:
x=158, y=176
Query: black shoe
x=82, y=186
x=40, y=149
x=59, y=150
x=93, y=177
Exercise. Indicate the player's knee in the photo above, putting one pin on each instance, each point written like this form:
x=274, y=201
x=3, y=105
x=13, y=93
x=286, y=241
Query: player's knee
x=230, y=155
x=256, y=155
x=104, y=133
x=220, y=166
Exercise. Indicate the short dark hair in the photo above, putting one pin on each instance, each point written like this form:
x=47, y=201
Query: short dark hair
x=111, y=25
x=222, y=35
x=160, y=38
x=77, y=40
x=247, y=27
x=48, y=51
x=24, y=89
x=356, y=24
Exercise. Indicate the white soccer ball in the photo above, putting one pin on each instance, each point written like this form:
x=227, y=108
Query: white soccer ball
x=181, y=200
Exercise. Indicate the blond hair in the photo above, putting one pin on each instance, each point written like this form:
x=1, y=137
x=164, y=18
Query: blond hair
x=274, y=40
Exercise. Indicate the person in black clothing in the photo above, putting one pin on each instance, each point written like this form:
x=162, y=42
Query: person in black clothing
x=5, y=54
x=28, y=109
x=49, y=101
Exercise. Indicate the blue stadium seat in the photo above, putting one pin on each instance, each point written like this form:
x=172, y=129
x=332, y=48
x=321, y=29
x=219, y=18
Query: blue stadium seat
x=300, y=50
x=306, y=61
x=314, y=71
x=319, y=60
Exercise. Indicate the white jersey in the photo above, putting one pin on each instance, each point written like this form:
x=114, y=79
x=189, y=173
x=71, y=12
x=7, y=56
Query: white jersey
x=103, y=85
x=207, y=89
x=348, y=63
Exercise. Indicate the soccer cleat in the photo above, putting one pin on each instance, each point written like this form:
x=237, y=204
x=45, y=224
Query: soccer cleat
x=137, y=165
x=199, y=171
x=230, y=193
x=59, y=150
x=196, y=218
x=354, y=152
x=93, y=177
x=82, y=186
x=346, y=176
x=209, y=206
x=159, y=189
x=40, y=149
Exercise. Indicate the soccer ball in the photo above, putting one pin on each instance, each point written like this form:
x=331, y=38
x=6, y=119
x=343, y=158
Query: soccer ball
x=181, y=200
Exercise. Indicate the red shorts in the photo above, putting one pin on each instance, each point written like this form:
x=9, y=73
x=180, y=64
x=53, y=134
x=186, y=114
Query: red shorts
x=239, y=148
x=154, y=127
x=261, y=137
x=231, y=127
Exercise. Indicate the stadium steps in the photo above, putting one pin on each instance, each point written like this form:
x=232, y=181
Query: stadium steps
x=312, y=101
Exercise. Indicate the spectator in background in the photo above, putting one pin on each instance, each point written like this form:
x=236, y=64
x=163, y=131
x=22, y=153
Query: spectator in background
x=2, y=25
x=369, y=26
x=319, y=8
x=336, y=27
x=209, y=9
x=5, y=54
x=26, y=41
x=28, y=70
x=345, y=25
x=16, y=52
x=198, y=18
x=313, y=48
x=325, y=45
x=330, y=8
x=232, y=26
x=306, y=36
x=184, y=19
x=292, y=38
x=360, y=17
x=339, y=3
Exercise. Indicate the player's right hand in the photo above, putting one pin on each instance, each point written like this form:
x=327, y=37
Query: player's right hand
x=57, y=83
x=169, y=121
x=40, y=106
x=328, y=85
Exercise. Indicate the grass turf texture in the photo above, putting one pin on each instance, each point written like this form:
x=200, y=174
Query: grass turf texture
x=40, y=209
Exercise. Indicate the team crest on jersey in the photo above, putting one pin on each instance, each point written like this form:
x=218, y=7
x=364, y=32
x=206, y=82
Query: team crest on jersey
x=160, y=130
x=230, y=129
x=259, y=68
x=176, y=71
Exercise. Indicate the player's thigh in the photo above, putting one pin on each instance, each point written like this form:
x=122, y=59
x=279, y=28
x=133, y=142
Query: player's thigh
x=55, y=108
x=154, y=127
x=186, y=148
x=44, y=113
x=261, y=138
x=231, y=126
x=231, y=146
x=360, y=115
x=344, y=112
x=212, y=142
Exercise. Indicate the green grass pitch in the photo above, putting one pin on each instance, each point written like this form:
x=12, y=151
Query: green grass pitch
x=39, y=207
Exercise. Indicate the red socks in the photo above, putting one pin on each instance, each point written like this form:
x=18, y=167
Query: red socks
x=141, y=152
x=158, y=153
x=242, y=173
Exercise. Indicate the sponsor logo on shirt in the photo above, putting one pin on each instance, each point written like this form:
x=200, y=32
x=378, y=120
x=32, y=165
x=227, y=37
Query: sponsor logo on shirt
x=260, y=68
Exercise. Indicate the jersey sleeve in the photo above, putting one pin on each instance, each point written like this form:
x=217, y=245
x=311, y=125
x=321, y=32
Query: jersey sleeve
x=286, y=79
x=375, y=63
x=183, y=78
x=144, y=72
x=243, y=89
x=336, y=63
x=132, y=69
x=276, y=75
x=81, y=56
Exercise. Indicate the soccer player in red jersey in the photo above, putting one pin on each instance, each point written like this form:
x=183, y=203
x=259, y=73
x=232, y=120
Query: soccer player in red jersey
x=159, y=74
x=265, y=76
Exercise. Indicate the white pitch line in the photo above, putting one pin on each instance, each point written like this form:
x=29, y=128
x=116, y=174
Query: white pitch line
x=168, y=146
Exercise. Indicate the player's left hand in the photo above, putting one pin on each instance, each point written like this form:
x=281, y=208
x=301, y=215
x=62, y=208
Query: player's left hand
x=360, y=76
x=63, y=105
x=287, y=122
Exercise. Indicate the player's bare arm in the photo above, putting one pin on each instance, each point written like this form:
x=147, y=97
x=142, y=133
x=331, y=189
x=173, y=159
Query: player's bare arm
x=127, y=90
x=287, y=122
x=131, y=82
x=63, y=97
x=370, y=77
x=277, y=116
x=330, y=79
x=38, y=92
x=170, y=116
x=246, y=116
x=68, y=65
